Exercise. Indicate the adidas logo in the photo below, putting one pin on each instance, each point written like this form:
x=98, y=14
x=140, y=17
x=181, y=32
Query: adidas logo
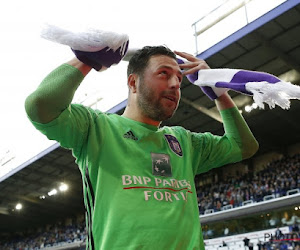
x=130, y=135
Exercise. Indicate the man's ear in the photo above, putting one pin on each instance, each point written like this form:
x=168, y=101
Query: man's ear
x=132, y=82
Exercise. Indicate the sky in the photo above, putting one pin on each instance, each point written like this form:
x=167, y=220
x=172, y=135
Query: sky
x=26, y=58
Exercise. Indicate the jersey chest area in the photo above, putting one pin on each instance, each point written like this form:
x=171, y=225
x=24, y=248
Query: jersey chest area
x=152, y=165
x=141, y=150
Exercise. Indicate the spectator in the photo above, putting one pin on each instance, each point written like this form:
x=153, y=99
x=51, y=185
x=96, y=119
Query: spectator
x=246, y=242
x=295, y=228
x=278, y=234
x=259, y=245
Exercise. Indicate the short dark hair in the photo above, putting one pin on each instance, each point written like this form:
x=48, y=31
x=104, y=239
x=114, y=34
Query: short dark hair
x=140, y=59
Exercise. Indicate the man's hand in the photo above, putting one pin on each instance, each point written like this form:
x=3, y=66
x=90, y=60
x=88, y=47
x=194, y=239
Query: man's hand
x=234, y=125
x=96, y=48
x=102, y=59
x=192, y=68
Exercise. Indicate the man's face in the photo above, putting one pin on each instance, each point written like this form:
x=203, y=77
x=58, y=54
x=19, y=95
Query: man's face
x=159, y=88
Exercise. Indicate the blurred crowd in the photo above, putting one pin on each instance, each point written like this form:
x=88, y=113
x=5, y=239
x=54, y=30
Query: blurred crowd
x=276, y=179
x=52, y=236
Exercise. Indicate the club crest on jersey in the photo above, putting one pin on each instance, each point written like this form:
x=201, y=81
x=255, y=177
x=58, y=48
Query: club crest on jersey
x=161, y=165
x=174, y=144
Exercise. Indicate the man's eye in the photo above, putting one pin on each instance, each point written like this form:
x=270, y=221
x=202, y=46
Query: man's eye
x=163, y=72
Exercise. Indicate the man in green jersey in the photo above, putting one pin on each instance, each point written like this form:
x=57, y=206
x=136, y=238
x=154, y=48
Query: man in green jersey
x=138, y=177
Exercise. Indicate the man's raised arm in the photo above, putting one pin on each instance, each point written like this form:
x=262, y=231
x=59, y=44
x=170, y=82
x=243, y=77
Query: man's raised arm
x=235, y=126
x=56, y=91
x=93, y=48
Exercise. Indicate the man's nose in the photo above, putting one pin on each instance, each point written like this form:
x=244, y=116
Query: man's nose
x=174, y=82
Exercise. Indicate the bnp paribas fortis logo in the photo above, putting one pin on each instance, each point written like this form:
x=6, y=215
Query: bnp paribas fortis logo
x=161, y=165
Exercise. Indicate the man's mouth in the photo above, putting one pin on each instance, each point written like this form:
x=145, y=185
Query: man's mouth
x=171, y=98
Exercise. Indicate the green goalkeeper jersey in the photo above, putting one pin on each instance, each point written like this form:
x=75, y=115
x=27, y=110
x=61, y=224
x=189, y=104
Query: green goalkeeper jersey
x=138, y=180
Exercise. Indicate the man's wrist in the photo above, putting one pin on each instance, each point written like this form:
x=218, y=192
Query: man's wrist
x=224, y=101
x=82, y=67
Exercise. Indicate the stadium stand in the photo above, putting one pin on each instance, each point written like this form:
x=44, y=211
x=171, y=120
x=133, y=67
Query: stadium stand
x=55, y=236
x=279, y=178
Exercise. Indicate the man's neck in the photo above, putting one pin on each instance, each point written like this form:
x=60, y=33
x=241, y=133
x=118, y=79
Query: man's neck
x=136, y=116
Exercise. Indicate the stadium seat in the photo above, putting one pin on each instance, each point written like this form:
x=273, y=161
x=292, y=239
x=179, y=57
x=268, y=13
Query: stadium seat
x=269, y=197
x=223, y=248
x=244, y=203
x=236, y=247
x=209, y=211
x=226, y=207
x=210, y=247
x=293, y=191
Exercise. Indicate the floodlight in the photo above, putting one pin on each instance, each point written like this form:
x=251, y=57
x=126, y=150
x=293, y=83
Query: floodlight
x=52, y=192
x=63, y=187
x=19, y=206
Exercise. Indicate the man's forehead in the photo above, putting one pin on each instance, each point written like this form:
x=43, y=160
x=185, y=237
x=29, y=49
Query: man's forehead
x=163, y=60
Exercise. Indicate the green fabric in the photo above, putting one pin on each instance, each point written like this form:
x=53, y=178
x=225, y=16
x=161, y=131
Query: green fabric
x=236, y=128
x=54, y=94
x=139, y=191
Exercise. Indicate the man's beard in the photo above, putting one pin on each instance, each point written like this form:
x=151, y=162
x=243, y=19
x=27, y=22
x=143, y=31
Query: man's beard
x=151, y=106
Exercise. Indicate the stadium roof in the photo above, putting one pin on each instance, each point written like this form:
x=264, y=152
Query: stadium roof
x=271, y=44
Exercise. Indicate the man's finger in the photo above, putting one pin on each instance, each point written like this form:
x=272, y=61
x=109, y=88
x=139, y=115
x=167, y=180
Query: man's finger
x=195, y=69
x=186, y=56
x=187, y=65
